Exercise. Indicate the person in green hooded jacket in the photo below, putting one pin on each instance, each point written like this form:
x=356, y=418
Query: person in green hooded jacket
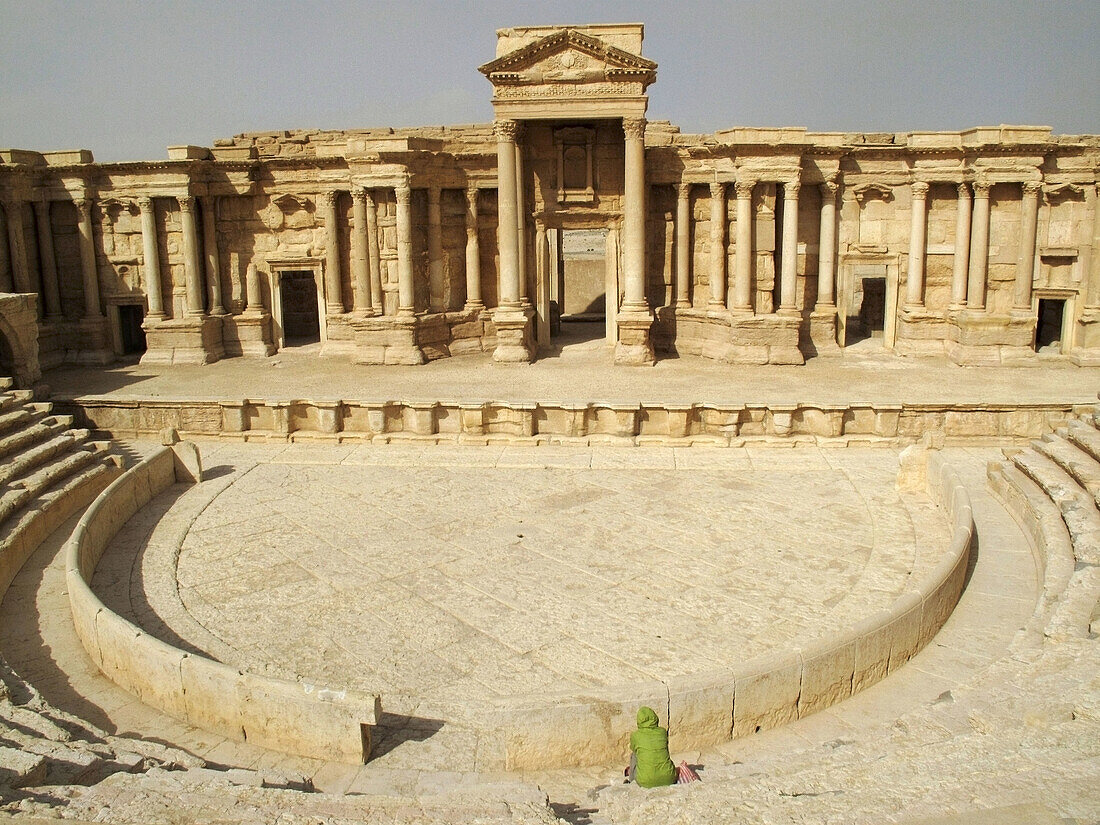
x=649, y=744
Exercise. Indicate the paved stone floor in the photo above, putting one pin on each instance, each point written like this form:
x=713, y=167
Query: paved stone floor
x=465, y=573
x=580, y=371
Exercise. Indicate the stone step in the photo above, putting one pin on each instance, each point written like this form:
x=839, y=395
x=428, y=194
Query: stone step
x=20, y=769
x=1083, y=468
x=6, y=383
x=26, y=462
x=51, y=474
x=15, y=399
x=1077, y=506
x=1084, y=436
x=34, y=434
x=16, y=419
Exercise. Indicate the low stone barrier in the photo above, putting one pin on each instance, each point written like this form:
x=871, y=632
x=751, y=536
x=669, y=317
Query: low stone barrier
x=487, y=422
x=558, y=730
x=293, y=717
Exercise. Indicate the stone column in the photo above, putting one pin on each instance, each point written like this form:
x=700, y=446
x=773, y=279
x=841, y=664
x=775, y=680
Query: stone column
x=979, y=248
x=635, y=318
x=1090, y=264
x=334, y=301
x=742, y=262
x=962, y=249
x=1025, y=262
x=521, y=224
x=435, y=250
x=789, y=279
x=253, y=296
x=151, y=259
x=683, y=245
x=473, y=254
x=406, y=288
x=192, y=274
x=209, y=205
x=377, y=298
x=717, y=246
x=507, y=212
x=542, y=285
x=20, y=273
x=826, y=248
x=914, y=284
x=6, y=282
x=360, y=263
x=47, y=260
x=88, y=268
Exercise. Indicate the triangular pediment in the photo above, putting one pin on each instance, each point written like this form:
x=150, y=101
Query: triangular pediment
x=569, y=56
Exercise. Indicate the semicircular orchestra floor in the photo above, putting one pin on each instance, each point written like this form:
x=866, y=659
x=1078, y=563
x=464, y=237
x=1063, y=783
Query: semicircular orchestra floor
x=462, y=573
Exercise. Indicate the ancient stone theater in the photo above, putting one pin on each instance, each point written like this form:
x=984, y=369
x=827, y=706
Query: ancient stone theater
x=382, y=475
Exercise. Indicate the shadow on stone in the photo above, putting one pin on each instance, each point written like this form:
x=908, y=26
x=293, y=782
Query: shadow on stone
x=394, y=729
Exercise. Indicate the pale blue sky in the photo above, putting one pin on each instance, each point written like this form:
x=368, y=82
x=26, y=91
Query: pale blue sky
x=126, y=79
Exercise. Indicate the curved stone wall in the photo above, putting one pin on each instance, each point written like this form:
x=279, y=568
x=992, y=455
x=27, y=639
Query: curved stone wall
x=524, y=732
x=293, y=717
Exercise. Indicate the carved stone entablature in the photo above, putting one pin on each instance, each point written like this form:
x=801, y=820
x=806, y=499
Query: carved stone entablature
x=873, y=190
x=287, y=210
x=1063, y=191
x=569, y=56
x=112, y=206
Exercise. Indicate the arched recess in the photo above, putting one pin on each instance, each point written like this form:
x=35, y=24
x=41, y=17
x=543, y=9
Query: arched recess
x=19, y=340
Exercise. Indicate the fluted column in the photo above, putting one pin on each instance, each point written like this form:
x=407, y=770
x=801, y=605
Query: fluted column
x=209, y=205
x=88, y=267
x=373, y=257
x=406, y=289
x=717, y=246
x=742, y=262
x=7, y=283
x=634, y=216
x=435, y=249
x=507, y=240
x=962, y=249
x=151, y=259
x=47, y=260
x=979, y=248
x=826, y=248
x=20, y=272
x=683, y=245
x=360, y=262
x=191, y=272
x=334, y=301
x=788, y=280
x=473, y=253
x=1025, y=261
x=914, y=284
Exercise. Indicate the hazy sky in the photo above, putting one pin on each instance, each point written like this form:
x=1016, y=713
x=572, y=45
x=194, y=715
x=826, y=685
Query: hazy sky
x=126, y=79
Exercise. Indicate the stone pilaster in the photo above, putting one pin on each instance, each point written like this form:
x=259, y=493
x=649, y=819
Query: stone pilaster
x=47, y=260
x=717, y=299
x=151, y=260
x=511, y=318
x=437, y=298
x=683, y=245
x=360, y=262
x=789, y=276
x=473, y=254
x=209, y=208
x=374, y=259
x=192, y=273
x=742, y=262
x=979, y=248
x=961, y=264
x=635, y=319
x=334, y=301
x=914, y=283
x=1025, y=260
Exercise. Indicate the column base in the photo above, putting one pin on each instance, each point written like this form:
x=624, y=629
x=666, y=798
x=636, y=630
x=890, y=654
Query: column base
x=387, y=340
x=183, y=341
x=823, y=332
x=248, y=335
x=634, y=346
x=981, y=339
x=920, y=332
x=515, y=334
x=95, y=347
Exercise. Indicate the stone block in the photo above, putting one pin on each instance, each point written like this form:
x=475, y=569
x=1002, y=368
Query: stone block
x=903, y=628
x=871, y=645
x=700, y=712
x=766, y=693
x=188, y=462
x=827, y=667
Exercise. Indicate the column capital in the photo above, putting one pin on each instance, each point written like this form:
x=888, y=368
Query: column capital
x=145, y=203
x=683, y=190
x=403, y=191
x=829, y=188
x=84, y=206
x=634, y=128
x=964, y=191
x=1032, y=187
x=359, y=194
x=327, y=199
x=981, y=189
x=472, y=192
x=506, y=129
x=790, y=189
x=717, y=189
x=919, y=189
x=187, y=203
x=744, y=187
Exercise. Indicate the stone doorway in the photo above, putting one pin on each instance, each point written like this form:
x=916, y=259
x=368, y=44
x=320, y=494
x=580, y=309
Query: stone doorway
x=867, y=303
x=1050, y=326
x=131, y=334
x=298, y=307
x=581, y=285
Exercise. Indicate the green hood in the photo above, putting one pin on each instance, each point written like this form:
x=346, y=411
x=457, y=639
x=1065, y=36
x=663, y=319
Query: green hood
x=647, y=718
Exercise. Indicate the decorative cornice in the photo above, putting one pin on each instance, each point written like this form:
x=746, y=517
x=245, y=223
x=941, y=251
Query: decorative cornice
x=586, y=43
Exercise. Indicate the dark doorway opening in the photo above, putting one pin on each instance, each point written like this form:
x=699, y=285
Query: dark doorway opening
x=580, y=311
x=301, y=318
x=7, y=358
x=131, y=333
x=1048, y=330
